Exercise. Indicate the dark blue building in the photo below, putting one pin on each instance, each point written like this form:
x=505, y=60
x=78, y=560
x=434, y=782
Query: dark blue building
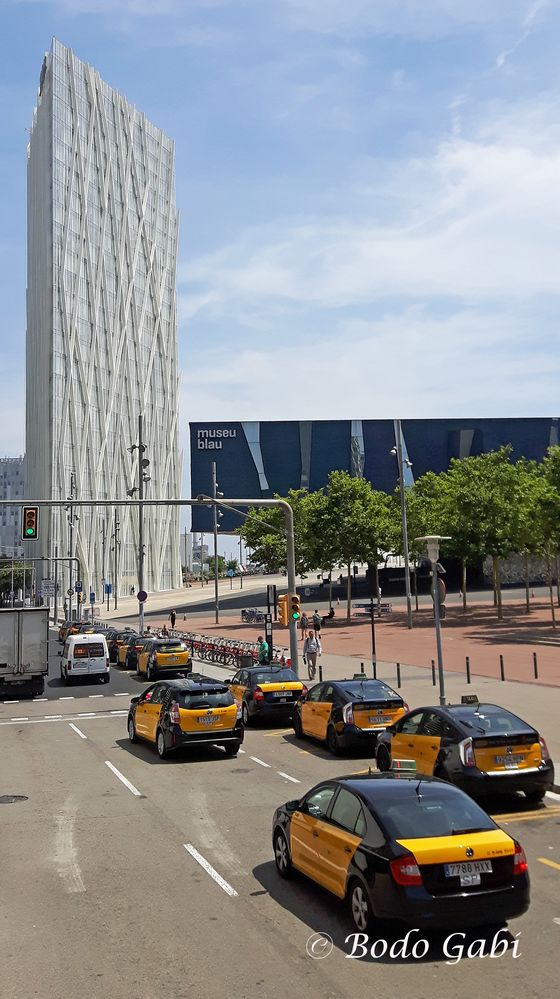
x=257, y=460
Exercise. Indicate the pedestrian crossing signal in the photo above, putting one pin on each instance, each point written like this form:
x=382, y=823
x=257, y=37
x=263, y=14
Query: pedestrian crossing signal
x=30, y=523
x=295, y=607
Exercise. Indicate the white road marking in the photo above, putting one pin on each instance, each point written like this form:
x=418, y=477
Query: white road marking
x=240, y=750
x=210, y=870
x=210, y=832
x=65, y=852
x=122, y=778
x=77, y=730
x=287, y=776
x=96, y=695
x=126, y=693
x=552, y=794
x=52, y=717
x=37, y=699
x=67, y=697
x=255, y=759
x=25, y=718
x=11, y=702
x=86, y=714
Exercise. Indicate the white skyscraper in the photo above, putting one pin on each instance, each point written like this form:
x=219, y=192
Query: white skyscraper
x=101, y=325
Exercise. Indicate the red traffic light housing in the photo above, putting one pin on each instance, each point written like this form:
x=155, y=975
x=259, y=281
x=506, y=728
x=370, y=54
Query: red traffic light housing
x=30, y=523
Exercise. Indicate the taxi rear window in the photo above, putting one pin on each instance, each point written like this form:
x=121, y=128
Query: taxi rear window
x=204, y=699
x=92, y=650
x=490, y=719
x=170, y=647
x=417, y=816
x=274, y=675
x=369, y=690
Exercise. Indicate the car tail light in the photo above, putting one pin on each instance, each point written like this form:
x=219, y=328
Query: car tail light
x=405, y=870
x=107, y=664
x=258, y=694
x=239, y=713
x=405, y=706
x=174, y=716
x=467, y=753
x=69, y=666
x=544, y=751
x=348, y=714
x=304, y=690
x=519, y=859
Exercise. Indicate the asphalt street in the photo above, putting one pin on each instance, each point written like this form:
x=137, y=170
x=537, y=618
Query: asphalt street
x=124, y=875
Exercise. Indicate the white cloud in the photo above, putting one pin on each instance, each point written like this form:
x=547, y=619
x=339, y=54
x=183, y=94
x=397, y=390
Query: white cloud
x=477, y=221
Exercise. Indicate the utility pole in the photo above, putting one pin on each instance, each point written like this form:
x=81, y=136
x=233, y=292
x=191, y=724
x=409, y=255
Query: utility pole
x=71, y=543
x=215, y=514
x=116, y=544
x=241, y=561
x=398, y=435
x=186, y=557
x=201, y=559
x=55, y=612
x=142, y=480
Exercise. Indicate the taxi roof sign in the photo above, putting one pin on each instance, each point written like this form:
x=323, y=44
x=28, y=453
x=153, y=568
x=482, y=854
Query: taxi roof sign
x=360, y=676
x=469, y=699
x=404, y=766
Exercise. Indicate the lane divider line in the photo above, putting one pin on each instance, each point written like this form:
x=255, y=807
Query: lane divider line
x=67, y=697
x=86, y=714
x=77, y=731
x=224, y=885
x=53, y=717
x=549, y=863
x=11, y=702
x=126, y=693
x=95, y=695
x=25, y=718
x=37, y=699
x=122, y=778
x=255, y=759
x=287, y=776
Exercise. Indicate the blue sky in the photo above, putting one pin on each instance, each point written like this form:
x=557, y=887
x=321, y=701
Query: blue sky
x=369, y=197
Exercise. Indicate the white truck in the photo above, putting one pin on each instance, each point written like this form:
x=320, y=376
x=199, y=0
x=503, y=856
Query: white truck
x=24, y=650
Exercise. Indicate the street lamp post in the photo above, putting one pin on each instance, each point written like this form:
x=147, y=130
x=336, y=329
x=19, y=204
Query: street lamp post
x=215, y=511
x=432, y=544
x=397, y=450
x=143, y=478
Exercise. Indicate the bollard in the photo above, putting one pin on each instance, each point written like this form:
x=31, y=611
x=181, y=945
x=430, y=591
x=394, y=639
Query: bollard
x=535, y=666
x=320, y=671
x=433, y=673
x=468, y=664
x=502, y=674
x=375, y=669
x=398, y=674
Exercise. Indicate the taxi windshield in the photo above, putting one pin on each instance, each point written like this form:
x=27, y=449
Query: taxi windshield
x=417, y=816
x=274, y=675
x=205, y=699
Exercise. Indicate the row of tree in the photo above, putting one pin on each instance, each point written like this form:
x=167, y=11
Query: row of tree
x=488, y=504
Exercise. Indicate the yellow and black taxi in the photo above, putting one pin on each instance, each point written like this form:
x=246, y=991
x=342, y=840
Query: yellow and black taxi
x=482, y=748
x=402, y=846
x=132, y=651
x=348, y=714
x=74, y=628
x=114, y=641
x=266, y=691
x=159, y=656
x=63, y=630
x=195, y=711
x=129, y=640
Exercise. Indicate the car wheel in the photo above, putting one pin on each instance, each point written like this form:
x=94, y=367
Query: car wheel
x=245, y=718
x=149, y=673
x=160, y=744
x=535, y=795
x=297, y=725
x=232, y=750
x=106, y=678
x=383, y=759
x=282, y=855
x=67, y=680
x=360, y=907
x=332, y=741
x=132, y=730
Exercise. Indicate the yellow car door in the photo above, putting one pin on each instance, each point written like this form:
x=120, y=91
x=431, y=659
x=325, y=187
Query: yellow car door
x=428, y=741
x=305, y=833
x=238, y=686
x=404, y=743
x=340, y=837
x=153, y=709
x=141, y=713
x=312, y=711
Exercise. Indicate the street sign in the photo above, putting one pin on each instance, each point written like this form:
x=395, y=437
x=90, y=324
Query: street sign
x=47, y=588
x=307, y=591
x=78, y=586
x=142, y=596
x=92, y=598
x=231, y=572
x=108, y=587
x=70, y=592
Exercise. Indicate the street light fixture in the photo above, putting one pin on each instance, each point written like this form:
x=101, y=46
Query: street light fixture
x=432, y=542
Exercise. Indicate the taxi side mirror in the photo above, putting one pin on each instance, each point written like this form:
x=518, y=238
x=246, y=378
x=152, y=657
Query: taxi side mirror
x=391, y=728
x=134, y=700
x=293, y=806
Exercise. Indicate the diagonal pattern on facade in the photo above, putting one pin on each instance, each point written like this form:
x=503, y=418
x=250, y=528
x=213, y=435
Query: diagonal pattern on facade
x=101, y=339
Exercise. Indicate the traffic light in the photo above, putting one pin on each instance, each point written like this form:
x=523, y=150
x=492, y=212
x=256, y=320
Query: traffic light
x=30, y=523
x=283, y=609
x=295, y=607
x=80, y=598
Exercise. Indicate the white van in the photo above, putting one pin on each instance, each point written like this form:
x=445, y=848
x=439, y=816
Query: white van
x=84, y=655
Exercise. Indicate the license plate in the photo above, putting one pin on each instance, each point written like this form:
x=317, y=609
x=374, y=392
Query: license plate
x=281, y=694
x=509, y=762
x=468, y=869
x=379, y=720
x=207, y=719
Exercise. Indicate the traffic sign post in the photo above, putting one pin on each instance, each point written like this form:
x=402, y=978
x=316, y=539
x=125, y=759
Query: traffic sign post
x=91, y=602
x=231, y=574
x=141, y=596
x=78, y=586
x=268, y=635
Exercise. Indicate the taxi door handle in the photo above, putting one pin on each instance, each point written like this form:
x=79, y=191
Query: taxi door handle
x=315, y=833
x=411, y=745
x=348, y=849
x=433, y=747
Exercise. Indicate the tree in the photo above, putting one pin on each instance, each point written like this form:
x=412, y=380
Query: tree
x=6, y=577
x=264, y=533
x=233, y=564
x=221, y=565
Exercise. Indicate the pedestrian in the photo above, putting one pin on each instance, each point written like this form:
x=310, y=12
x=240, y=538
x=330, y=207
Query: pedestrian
x=311, y=649
x=164, y=632
x=172, y=618
x=148, y=632
x=317, y=622
x=263, y=651
x=304, y=625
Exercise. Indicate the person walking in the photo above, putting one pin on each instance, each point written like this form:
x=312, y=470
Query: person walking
x=304, y=625
x=263, y=651
x=311, y=649
x=317, y=623
x=172, y=618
